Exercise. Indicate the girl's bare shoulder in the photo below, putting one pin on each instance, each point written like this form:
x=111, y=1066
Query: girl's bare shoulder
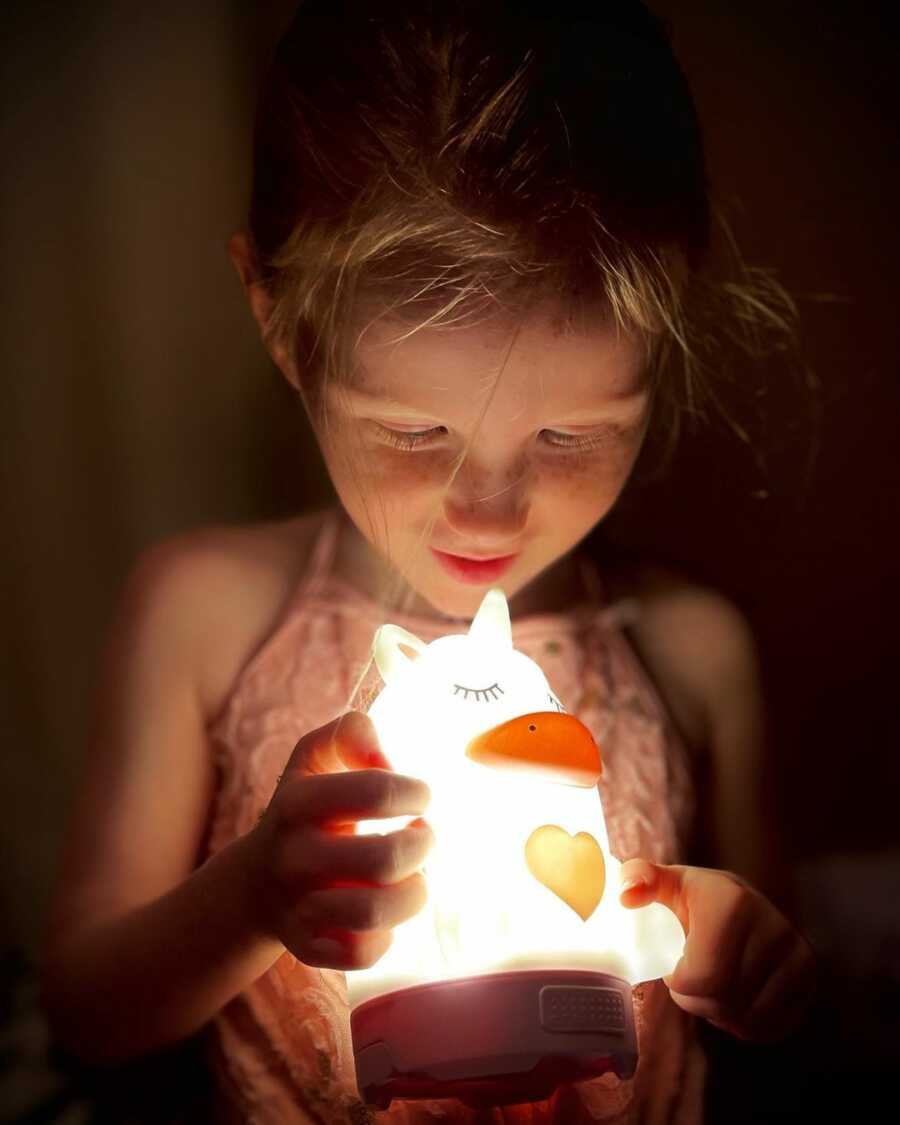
x=693, y=639
x=215, y=593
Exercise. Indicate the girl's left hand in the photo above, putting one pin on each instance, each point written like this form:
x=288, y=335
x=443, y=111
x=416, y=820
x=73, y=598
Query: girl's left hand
x=745, y=968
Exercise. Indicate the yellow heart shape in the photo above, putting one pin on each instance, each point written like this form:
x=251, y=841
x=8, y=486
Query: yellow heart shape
x=572, y=867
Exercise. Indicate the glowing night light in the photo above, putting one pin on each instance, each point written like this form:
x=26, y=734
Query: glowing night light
x=516, y=976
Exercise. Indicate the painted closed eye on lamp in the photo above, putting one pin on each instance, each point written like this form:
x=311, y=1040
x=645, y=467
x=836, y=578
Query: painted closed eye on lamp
x=516, y=975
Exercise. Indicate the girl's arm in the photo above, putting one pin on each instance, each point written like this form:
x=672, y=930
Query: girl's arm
x=744, y=831
x=140, y=950
x=702, y=654
x=143, y=949
x=123, y=983
x=745, y=968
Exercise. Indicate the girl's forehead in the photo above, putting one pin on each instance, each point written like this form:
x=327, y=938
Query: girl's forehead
x=549, y=318
x=597, y=359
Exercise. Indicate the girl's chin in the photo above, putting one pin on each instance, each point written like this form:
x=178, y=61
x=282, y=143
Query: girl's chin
x=442, y=597
x=456, y=599
x=456, y=604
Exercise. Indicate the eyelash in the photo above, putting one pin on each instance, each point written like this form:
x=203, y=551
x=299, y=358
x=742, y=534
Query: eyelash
x=416, y=439
x=489, y=692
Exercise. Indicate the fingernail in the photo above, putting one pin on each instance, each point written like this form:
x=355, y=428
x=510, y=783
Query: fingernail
x=419, y=822
x=630, y=884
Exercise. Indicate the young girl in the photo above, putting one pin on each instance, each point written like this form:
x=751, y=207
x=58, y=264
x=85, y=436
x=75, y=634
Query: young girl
x=480, y=248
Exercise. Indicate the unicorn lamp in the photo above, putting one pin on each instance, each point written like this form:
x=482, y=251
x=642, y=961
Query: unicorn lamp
x=516, y=975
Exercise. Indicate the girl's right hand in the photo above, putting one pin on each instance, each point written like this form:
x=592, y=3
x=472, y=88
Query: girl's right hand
x=332, y=897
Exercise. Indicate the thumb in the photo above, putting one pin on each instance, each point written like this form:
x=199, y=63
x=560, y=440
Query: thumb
x=357, y=744
x=348, y=742
x=643, y=882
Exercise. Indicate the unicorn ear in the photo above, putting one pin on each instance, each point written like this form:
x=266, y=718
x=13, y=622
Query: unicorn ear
x=390, y=660
x=490, y=625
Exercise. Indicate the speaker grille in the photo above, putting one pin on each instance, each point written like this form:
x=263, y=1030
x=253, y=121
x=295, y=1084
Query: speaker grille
x=581, y=1008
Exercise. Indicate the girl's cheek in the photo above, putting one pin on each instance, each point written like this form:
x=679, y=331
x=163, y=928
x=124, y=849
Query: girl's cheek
x=579, y=495
x=375, y=461
x=584, y=487
x=607, y=468
x=399, y=469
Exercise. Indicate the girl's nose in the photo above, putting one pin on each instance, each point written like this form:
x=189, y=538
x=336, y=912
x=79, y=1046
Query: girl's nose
x=488, y=513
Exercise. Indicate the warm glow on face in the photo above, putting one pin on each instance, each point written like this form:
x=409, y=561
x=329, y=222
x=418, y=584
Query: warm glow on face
x=548, y=425
x=521, y=875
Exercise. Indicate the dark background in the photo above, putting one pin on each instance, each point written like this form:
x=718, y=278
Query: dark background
x=137, y=401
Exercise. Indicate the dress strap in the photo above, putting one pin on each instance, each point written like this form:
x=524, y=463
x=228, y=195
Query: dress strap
x=591, y=581
x=624, y=611
x=321, y=557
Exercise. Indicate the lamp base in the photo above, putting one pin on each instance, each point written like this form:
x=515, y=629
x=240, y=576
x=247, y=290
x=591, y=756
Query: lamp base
x=497, y=1039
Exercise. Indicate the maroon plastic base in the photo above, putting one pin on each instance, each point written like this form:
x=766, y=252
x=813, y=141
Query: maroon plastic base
x=499, y=1039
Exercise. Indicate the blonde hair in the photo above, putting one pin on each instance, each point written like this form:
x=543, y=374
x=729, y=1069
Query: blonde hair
x=440, y=162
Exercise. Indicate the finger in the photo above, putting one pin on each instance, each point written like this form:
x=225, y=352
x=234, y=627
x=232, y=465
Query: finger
x=636, y=875
x=342, y=949
x=367, y=794
x=357, y=743
x=784, y=999
x=370, y=859
x=722, y=915
x=703, y=1007
x=656, y=882
x=363, y=908
x=348, y=741
x=316, y=752
x=766, y=948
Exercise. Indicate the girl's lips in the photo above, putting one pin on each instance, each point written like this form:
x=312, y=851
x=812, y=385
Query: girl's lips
x=473, y=571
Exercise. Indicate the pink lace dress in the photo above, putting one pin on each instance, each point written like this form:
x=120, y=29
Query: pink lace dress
x=281, y=1051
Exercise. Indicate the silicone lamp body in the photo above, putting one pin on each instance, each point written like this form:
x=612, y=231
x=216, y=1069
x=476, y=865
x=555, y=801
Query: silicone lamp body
x=516, y=976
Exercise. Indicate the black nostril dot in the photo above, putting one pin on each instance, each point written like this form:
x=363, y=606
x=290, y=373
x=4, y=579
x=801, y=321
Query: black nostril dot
x=531, y=726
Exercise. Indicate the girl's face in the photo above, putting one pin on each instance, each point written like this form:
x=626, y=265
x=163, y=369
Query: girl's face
x=551, y=444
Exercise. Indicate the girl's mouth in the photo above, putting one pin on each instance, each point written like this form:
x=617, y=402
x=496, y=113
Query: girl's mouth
x=474, y=571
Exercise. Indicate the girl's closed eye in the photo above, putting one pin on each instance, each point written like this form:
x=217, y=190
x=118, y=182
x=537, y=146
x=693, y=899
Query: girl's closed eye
x=410, y=440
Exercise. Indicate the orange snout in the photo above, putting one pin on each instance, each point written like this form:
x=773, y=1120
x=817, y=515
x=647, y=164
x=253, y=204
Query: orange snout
x=548, y=742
